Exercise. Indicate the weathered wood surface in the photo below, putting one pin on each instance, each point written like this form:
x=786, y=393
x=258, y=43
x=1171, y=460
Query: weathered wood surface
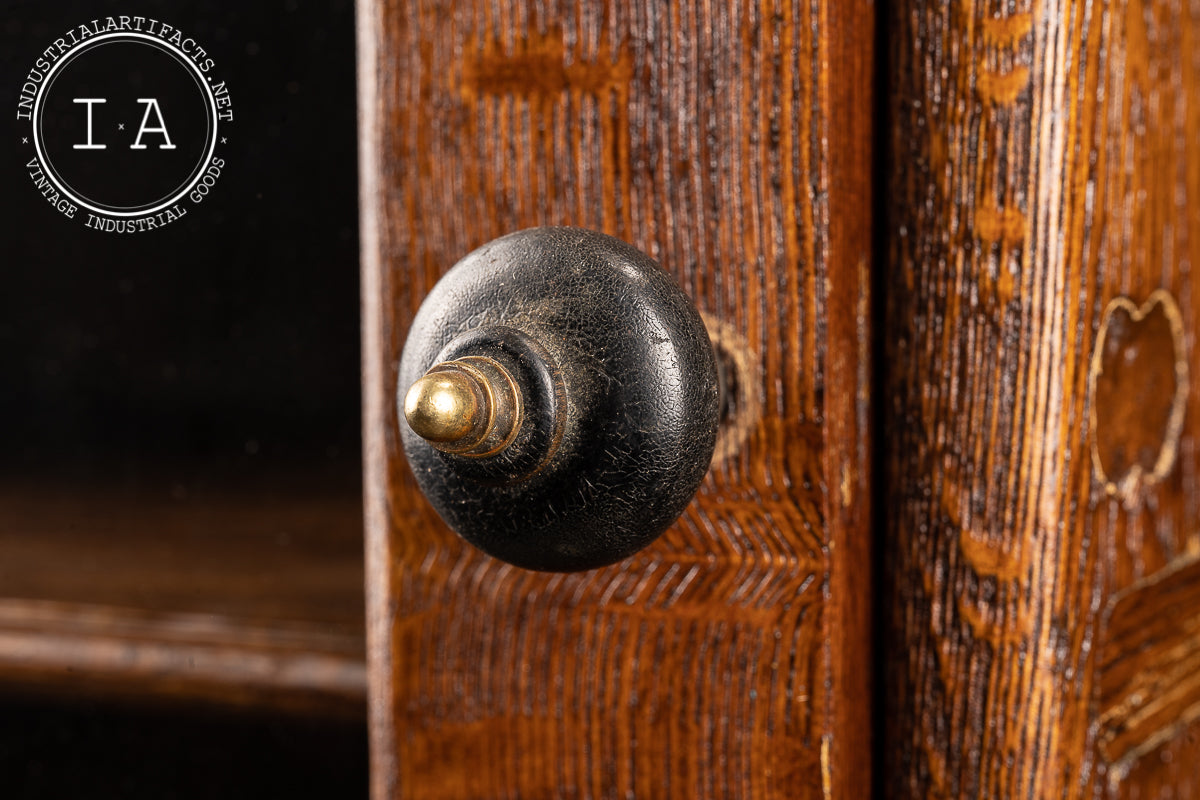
x=732, y=143
x=1043, y=507
x=246, y=596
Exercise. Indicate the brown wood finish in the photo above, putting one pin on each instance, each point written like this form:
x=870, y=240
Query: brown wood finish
x=732, y=143
x=1044, y=511
x=250, y=596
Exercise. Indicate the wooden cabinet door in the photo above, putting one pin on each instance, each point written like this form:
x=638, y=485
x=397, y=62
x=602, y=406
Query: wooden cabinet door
x=730, y=141
x=1039, y=594
x=1042, y=530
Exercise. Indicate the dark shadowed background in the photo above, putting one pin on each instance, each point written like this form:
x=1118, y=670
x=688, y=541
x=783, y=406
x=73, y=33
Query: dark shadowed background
x=222, y=349
x=232, y=334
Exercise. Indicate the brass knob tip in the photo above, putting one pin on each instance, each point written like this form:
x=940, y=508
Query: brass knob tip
x=445, y=406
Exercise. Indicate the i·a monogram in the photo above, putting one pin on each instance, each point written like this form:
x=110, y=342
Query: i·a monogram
x=151, y=106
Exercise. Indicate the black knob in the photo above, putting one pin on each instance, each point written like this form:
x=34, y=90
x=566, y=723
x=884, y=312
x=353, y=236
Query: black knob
x=561, y=397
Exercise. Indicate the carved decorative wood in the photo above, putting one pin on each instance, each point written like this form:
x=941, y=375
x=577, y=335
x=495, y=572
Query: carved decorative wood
x=732, y=143
x=1043, y=520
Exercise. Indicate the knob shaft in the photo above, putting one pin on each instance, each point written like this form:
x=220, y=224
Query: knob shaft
x=448, y=406
x=469, y=406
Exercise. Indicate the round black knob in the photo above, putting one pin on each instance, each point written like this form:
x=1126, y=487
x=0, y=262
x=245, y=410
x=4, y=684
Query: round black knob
x=561, y=400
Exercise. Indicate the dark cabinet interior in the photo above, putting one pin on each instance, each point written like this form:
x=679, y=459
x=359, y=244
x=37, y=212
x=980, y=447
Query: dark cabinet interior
x=58, y=748
x=180, y=491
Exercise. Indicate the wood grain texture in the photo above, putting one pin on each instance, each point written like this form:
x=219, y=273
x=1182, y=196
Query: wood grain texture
x=732, y=143
x=1045, y=195
x=246, y=596
x=1148, y=669
x=146, y=656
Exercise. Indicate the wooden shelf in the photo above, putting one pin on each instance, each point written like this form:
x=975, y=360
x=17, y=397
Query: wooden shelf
x=246, y=595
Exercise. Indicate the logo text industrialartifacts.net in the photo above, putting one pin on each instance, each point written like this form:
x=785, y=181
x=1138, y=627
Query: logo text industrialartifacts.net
x=123, y=120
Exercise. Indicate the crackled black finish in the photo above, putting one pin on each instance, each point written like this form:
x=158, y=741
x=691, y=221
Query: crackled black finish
x=620, y=391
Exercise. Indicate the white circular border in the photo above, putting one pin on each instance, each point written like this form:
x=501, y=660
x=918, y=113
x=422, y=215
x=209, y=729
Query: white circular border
x=154, y=41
